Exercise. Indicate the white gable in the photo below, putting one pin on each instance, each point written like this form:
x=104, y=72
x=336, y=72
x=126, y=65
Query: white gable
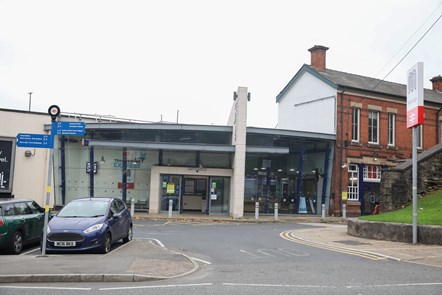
x=309, y=105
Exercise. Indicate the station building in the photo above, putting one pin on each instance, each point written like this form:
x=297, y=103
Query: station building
x=201, y=168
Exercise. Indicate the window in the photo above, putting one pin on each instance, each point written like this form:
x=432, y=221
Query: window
x=355, y=118
x=22, y=209
x=372, y=173
x=353, y=187
x=391, y=129
x=35, y=207
x=373, y=127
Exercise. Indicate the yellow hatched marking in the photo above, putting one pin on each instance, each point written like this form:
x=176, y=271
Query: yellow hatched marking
x=289, y=235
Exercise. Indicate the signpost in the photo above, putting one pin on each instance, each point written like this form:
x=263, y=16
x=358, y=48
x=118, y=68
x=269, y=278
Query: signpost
x=70, y=128
x=47, y=141
x=415, y=117
x=34, y=140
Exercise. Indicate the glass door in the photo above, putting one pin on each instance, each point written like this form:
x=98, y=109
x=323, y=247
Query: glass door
x=171, y=190
x=219, y=195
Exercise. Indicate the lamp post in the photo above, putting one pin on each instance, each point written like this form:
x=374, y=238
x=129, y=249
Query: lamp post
x=30, y=96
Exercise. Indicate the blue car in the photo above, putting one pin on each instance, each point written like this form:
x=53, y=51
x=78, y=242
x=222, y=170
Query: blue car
x=89, y=224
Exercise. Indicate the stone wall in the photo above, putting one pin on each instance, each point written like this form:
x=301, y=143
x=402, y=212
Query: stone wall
x=396, y=232
x=396, y=183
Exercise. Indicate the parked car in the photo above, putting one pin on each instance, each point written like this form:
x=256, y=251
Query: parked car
x=89, y=224
x=21, y=223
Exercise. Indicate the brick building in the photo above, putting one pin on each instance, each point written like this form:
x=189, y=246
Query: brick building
x=368, y=117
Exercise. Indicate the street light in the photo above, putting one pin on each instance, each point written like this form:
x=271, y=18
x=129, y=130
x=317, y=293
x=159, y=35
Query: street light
x=30, y=94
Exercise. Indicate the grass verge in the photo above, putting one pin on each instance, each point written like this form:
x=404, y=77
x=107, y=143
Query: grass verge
x=429, y=212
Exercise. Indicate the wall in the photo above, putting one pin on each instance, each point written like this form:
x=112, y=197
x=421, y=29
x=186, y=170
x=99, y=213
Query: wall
x=30, y=173
x=363, y=152
x=396, y=183
x=396, y=232
x=310, y=113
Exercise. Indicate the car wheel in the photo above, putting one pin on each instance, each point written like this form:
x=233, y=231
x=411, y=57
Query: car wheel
x=129, y=235
x=17, y=243
x=105, y=248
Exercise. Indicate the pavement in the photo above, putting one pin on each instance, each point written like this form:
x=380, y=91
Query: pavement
x=144, y=260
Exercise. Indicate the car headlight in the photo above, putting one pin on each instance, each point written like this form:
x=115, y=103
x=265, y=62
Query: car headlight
x=48, y=229
x=93, y=228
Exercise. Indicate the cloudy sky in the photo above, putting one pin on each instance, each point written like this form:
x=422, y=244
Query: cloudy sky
x=150, y=60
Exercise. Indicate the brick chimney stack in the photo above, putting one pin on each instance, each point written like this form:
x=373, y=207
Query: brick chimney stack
x=437, y=83
x=318, y=57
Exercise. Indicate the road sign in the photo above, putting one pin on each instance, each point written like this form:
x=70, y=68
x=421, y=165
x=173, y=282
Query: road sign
x=34, y=140
x=415, y=95
x=70, y=128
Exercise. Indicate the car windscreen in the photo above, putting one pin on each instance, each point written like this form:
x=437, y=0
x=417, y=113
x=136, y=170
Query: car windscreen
x=87, y=208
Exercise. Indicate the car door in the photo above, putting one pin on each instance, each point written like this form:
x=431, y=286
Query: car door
x=37, y=219
x=116, y=221
x=125, y=215
x=24, y=217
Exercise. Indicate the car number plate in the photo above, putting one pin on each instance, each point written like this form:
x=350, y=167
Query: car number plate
x=64, y=244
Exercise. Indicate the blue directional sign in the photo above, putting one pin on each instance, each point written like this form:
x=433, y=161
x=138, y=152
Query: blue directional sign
x=69, y=128
x=34, y=140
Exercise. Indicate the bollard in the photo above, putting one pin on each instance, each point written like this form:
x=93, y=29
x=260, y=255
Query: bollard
x=344, y=211
x=170, y=208
x=256, y=210
x=323, y=211
x=276, y=212
x=132, y=207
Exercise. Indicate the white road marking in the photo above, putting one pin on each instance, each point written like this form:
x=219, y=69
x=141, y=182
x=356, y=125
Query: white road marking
x=275, y=285
x=157, y=287
x=253, y=255
x=30, y=251
x=45, y=288
x=202, y=261
x=120, y=247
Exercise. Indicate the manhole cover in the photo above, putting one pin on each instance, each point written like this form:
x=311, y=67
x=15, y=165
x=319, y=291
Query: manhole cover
x=350, y=242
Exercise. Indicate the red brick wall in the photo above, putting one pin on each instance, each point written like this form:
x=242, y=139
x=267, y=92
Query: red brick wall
x=403, y=140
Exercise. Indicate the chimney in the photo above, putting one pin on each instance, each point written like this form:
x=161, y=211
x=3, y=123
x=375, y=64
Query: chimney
x=437, y=83
x=318, y=57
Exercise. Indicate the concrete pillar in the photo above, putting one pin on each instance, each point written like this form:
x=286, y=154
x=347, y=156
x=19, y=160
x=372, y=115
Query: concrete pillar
x=238, y=120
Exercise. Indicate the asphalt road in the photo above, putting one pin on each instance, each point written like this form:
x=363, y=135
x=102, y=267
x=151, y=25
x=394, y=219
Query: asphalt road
x=255, y=259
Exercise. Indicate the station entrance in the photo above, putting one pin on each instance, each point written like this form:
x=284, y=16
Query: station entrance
x=194, y=193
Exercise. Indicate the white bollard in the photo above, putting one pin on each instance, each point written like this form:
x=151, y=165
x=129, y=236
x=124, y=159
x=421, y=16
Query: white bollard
x=276, y=212
x=344, y=211
x=256, y=210
x=323, y=211
x=170, y=208
x=132, y=207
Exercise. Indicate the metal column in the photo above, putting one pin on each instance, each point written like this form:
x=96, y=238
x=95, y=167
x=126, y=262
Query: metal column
x=124, y=172
x=325, y=175
x=91, y=172
x=63, y=170
x=299, y=180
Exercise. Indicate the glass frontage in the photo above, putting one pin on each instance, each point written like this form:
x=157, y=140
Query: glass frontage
x=292, y=181
x=116, y=172
x=291, y=171
x=171, y=191
x=219, y=195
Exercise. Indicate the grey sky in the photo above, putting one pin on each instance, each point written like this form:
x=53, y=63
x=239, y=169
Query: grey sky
x=147, y=59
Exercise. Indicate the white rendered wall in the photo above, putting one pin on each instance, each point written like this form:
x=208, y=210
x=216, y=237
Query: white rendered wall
x=30, y=173
x=315, y=106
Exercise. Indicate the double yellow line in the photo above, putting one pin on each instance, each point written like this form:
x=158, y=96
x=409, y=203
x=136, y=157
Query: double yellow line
x=290, y=236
